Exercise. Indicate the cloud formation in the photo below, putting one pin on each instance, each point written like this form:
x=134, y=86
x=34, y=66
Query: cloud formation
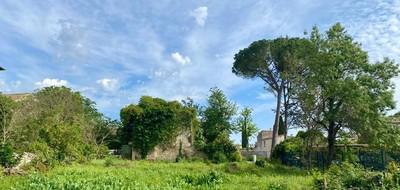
x=51, y=82
x=114, y=52
x=200, y=14
x=177, y=57
x=108, y=84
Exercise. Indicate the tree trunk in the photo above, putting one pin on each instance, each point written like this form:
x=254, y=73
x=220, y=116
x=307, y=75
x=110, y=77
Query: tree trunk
x=286, y=118
x=277, y=115
x=244, y=135
x=331, y=144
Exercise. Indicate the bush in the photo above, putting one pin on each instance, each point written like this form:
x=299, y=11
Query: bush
x=260, y=163
x=292, y=146
x=7, y=157
x=349, y=176
x=236, y=157
x=219, y=157
x=277, y=186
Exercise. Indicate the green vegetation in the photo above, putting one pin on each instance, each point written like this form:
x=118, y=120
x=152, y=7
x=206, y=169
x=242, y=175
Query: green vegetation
x=7, y=107
x=154, y=121
x=213, y=136
x=323, y=83
x=56, y=124
x=275, y=62
x=327, y=84
x=7, y=157
x=353, y=176
x=245, y=125
x=162, y=175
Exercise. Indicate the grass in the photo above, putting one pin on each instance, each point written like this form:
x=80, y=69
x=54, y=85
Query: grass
x=120, y=174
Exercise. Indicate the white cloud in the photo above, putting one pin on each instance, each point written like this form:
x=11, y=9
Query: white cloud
x=108, y=84
x=177, y=57
x=200, y=14
x=70, y=40
x=51, y=82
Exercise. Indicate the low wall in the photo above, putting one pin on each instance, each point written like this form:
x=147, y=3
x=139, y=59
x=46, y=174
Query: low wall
x=261, y=154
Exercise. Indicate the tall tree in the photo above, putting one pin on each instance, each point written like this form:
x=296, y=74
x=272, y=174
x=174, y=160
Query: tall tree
x=216, y=126
x=245, y=125
x=272, y=61
x=343, y=88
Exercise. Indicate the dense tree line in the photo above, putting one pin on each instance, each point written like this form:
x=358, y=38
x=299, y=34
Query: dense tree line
x=327, y=84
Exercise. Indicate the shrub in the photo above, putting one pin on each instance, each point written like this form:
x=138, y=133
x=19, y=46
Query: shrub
x=219, y=157
x=277, y=186
x=292, y=145
x=260, y=163
x=236, y=157
x=349, y=176
x=7, y=157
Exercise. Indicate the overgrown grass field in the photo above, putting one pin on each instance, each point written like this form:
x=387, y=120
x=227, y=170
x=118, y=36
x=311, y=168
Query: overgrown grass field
x=119, y=174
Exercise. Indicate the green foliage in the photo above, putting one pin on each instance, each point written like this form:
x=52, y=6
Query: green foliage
x=210, y=180
x=349, y=176
x=293, y=145
x=110, y=161
x=161, y=175
x=276, y=62
x=213, y=136
x=392, y=178
x=217, y=117
x=7, y=106
x=60, y=125
x=277, y=186
x=340, y=89
x=260, y=163
x=244, y=124
x=154, y=121
x=236, y=157
x=7, y=157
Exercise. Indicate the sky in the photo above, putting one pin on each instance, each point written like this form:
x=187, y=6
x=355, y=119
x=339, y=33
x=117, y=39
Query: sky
x=114, y=52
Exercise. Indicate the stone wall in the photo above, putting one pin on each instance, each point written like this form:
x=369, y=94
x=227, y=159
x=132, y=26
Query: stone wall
x=171, y=151
x=259, y=154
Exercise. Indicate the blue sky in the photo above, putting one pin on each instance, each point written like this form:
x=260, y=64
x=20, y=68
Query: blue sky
x=116, y=51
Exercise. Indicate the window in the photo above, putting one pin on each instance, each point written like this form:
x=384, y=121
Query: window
x=264, y=143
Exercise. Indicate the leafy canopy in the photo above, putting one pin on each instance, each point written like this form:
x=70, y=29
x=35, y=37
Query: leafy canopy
x=153, y=121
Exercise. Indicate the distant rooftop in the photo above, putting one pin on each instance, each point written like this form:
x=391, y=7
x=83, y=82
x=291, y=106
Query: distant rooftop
x=18, y=96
